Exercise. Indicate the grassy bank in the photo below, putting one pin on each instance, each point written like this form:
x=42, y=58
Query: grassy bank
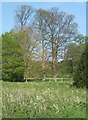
x=46, y=99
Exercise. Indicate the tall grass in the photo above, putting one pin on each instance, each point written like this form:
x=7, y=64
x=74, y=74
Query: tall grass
x=46, y=99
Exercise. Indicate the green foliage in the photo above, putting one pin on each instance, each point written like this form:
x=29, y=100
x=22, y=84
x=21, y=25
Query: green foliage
x=72, y=57
x=80, y=77
x=35, y=69
x=12, y=59
x=69, y=66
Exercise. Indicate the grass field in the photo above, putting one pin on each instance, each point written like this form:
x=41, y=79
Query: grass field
x=47, y=99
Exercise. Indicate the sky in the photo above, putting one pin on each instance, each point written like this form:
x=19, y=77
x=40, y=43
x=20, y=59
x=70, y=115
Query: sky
x=78, y=9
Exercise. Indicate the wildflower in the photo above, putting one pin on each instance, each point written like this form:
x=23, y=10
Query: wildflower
x=78, y=100
x=38, y=97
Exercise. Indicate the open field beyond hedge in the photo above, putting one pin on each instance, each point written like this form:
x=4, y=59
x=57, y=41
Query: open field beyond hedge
x=47, y=99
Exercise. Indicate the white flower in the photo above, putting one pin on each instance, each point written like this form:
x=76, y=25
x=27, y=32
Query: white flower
x=38, y=97
x=78, y=100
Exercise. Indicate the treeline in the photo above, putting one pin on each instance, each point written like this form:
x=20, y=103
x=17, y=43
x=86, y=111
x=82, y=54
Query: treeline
x=44, y=43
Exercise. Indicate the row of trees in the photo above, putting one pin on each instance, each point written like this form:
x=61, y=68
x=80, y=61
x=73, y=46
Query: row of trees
x=39, y=41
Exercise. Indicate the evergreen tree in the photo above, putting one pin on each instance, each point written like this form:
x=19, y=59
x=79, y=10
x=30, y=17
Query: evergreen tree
x=12, y=59
x=81, y=74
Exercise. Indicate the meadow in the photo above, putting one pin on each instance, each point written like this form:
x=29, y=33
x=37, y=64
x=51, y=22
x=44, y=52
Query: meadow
x=43, y=99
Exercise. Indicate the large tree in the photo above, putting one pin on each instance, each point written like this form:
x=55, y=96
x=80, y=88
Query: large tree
x=28, y=41
x=26, y=36
x=40, y=25
x=12, y=59
x=53, y=30
x=61, y=29
x=56, y=29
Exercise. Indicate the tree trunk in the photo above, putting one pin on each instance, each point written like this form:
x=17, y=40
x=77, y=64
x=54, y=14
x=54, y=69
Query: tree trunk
x=53, y=58
x=43, y=62
x=56, y=61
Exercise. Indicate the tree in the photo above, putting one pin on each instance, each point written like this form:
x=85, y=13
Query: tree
x=40, y=25
x=61, y=30
x=56, y=29
x=51, y=31
x=22, y=15
x=72, y=56
x=28, y=41
x=80, y=39
x=12, y=59
x=27, y=37
x=81, y=74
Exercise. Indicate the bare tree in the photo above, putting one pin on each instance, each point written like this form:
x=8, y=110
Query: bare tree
x=62, y=30
x=26, y=35
x=40, y=25
x=56, y=29
x=22, y=15
x=53, y=30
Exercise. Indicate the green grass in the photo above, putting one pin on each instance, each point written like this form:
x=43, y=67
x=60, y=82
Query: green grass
x=46, y=99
